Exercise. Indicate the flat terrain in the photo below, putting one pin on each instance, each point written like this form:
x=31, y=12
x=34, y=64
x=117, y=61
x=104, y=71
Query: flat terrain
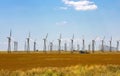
x=25, y=61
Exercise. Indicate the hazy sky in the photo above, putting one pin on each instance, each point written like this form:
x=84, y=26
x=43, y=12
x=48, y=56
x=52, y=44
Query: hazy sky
x=91, y=18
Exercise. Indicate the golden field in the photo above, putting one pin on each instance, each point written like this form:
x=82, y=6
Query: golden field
x=55, y=64
x=78, y=70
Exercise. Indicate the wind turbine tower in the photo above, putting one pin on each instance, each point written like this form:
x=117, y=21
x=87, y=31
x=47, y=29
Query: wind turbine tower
x=72, y=42
x=83, y=42
x=65, y=46
x=45, y=39
x=15, y=45
x=51, y=46
x=25, y=46
x=9, y=42
x=102, y=48
x=111, y=45
x=117, y=46
x=34, y=46
x=89, y=47
x=78, y=47
x=93, y=46
x=59, y=44
x=28, y=43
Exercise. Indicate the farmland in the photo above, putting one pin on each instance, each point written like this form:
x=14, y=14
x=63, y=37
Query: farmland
x=78, y=70
x=26, y=61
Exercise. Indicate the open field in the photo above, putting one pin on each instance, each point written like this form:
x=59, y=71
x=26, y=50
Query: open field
x=26, y=61
x=78, y=70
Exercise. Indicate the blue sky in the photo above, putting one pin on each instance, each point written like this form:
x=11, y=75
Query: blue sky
x=97, y=18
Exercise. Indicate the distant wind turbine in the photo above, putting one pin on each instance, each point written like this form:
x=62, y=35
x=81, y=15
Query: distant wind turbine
x=111, y=44
x=102, y=47
x=59, y=43
x=93, y=46
x=89, y=47
x=78, y=47
x=34, y=46
x=117, y=45
x=9, y=42
x=45, y=40
x=72, y=42
x=25, y=46
x=51, y=46
x=65, y=46
x=28, y=43
x=15, y=45
x=83, y=43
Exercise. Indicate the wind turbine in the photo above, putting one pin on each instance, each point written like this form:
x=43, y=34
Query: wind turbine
x=83, y=42
x=78, y=47
x=89, y=47
x=28, y=43
x=25, y=46
x=15, y=45
x=51, y=46
x=65, y=46
x=59, y=43
x=34, y=46
x=102, y=48
x=117, y=46
x=72, y=42
x=9, y=42
x=111, y=44
x=45, y=39
x=93, y=45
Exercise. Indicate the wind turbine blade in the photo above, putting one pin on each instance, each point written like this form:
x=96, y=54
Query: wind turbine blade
x=111, y=38
x=95, y=38
x=46, y=35
x=73, y=36
x=10, y=33
x=60, y=36
x=104, y=38
x=29, y=35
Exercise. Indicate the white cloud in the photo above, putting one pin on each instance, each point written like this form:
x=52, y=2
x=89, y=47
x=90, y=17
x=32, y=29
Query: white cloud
x=64, y=8
x=81, y=4
x=62, y=23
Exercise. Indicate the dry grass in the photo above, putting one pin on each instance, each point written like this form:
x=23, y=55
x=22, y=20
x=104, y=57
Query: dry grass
x=55, y=64
x=86, y=70
x=26, y=61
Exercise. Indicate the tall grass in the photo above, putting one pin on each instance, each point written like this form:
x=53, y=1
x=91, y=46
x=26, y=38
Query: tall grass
x=79, y=70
